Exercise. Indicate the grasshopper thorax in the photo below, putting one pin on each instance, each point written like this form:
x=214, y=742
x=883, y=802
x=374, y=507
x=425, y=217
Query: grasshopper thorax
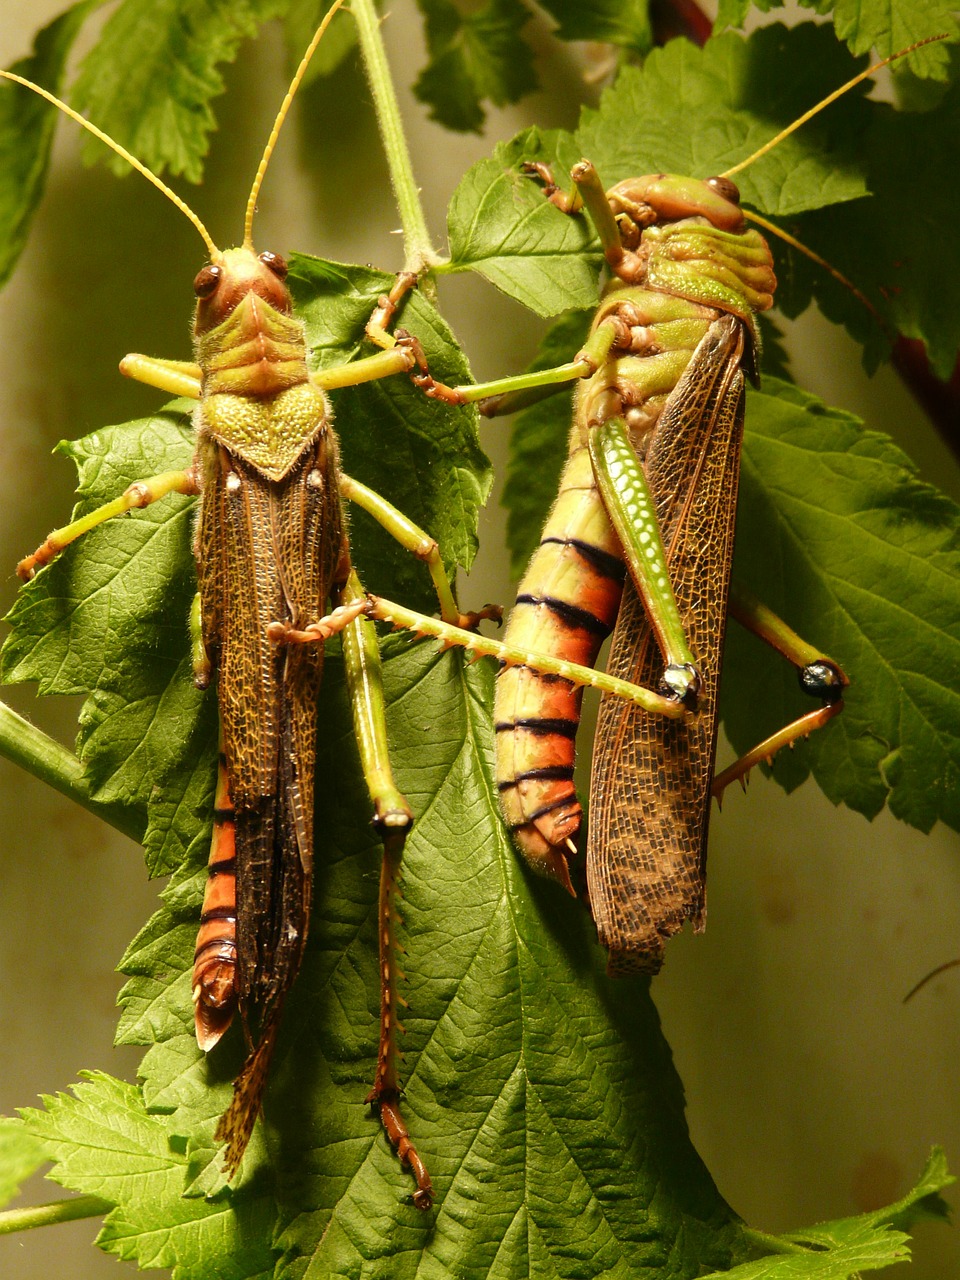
x=638, y=203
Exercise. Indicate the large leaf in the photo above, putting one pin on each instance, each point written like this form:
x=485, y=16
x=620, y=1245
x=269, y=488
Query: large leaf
x=108, y=618
x=150, y=79
x=838, y=535
x=699, y=112
x=884, y=25
x=26, y=130
x=475, y=56
x=518, y=1060
x=907, y=267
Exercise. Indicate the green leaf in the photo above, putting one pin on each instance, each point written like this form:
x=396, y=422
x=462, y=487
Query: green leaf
x=475, y=56
x=620, y=22
x=687, y=111
x=107, y=1145
x=839, y=537
x=107, y=617
x=895, y=24
x=150, y=79
x=180, y=808
x=26, y=130
x=522, y=1075
x=842, y=1249
x=538, y=446
x=908, y=269
x=699, y=112
x=21, y=1155
x=885, y=27
x=500, y=225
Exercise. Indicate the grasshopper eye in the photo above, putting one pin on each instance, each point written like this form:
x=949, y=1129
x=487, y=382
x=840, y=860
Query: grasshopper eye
x=724, y=187
x=276, y=264
x=206, y=280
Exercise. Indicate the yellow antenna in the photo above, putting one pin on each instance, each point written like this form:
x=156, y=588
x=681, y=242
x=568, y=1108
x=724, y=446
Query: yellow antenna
x=278, y=124
x=808, y=115
x=123, y=153
x=785, y=236
x=812, y=254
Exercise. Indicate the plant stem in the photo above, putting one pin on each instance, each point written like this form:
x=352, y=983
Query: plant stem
x=30, y=748
x=773, y=1244
x=48, y=1215
x=420, y=254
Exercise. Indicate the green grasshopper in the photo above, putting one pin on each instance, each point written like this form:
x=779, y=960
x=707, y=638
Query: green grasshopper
x=647, y=498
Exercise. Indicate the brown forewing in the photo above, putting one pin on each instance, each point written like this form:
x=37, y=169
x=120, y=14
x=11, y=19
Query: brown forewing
x=651, y=777
x=268, y=549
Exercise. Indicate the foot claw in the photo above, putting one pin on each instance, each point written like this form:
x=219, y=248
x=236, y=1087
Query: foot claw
x=489, y=613
x=409, y=343
x=437, y=390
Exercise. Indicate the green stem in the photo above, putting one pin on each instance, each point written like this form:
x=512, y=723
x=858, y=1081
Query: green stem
x=772, y=1244
x=420, y=254
x=29, y=747
x=48, y=1215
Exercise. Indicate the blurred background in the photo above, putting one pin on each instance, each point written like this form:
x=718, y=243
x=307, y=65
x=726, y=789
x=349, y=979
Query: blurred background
x=813, y=1091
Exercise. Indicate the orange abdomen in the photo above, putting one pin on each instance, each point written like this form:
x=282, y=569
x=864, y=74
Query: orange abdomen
x=566, y=606
x=215, y=958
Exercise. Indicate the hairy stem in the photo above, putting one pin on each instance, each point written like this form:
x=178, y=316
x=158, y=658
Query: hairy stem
x=420, y=254
x=29, y=747
x=773, y=1244
x=48, y=1215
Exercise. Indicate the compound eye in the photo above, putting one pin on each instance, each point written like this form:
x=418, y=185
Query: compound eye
x=206, y=281
x=724, y=187
x=276, y=264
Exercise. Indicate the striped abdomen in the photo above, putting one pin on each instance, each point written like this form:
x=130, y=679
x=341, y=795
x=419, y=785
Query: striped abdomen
x=566, y=606
x=570, y=596
x=215, y=958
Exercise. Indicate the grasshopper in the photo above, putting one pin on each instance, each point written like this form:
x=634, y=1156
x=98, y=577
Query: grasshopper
x=640, y=541
x=271, y=547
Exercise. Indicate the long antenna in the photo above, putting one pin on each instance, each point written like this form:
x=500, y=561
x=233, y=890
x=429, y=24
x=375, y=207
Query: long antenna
x=278, y=124
x=832, y=97
x=812, y=254
x=123, y=153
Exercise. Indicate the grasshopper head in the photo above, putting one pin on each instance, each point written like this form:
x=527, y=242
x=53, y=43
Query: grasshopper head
x=226, y=281
x=664, y=197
